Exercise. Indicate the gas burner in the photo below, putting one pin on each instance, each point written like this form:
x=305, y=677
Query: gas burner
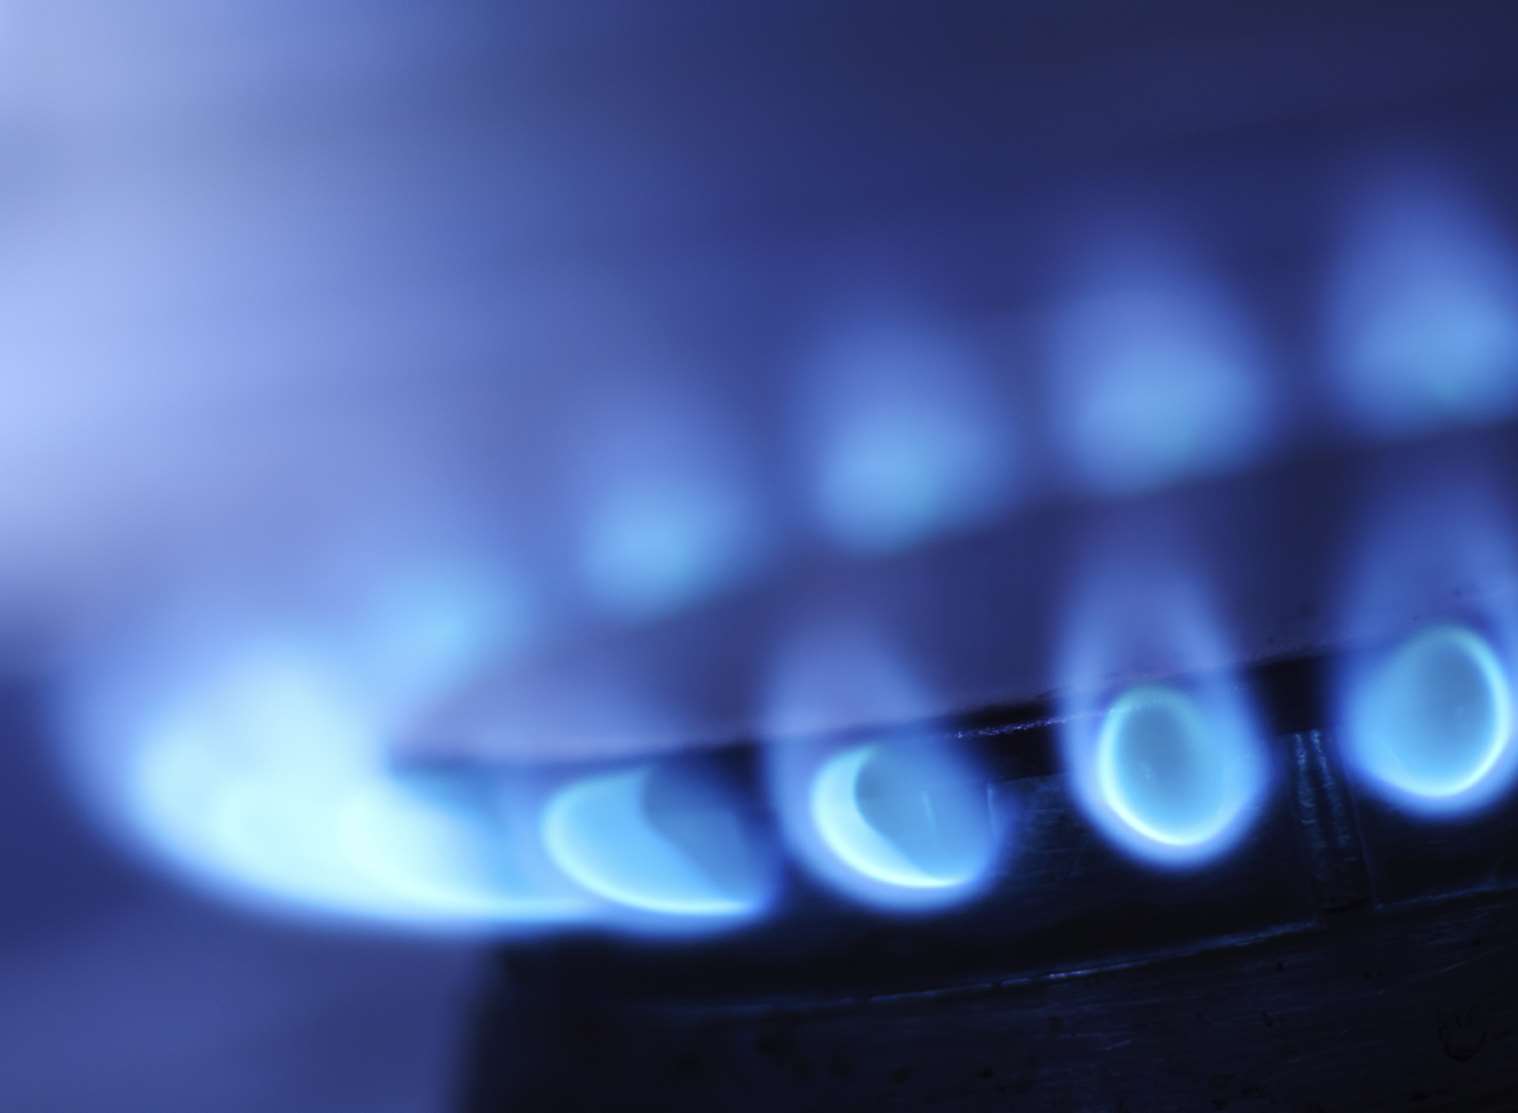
x=883, y=558
x=1074, y=974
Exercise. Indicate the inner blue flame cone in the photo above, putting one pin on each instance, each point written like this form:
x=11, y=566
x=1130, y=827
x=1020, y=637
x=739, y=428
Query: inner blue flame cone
x=1159, y=768
x=901, y=821
x=1172, y=780
x=658, y=842
x=1433, y=720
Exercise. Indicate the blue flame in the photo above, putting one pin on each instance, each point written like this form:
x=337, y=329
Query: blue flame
x=1424, y=310
x=836, y=674
x=650, y=550
x=899, y=823
x=664, y=492
x=1155, y=376
x=1160, y=770
x=1427, y=723
x=252, y=761
x=420, y=628
x=1172, y=775
x=908, y=437
x=904, y=823
x=455, y=847
x=1433, y=720
x=695, y=863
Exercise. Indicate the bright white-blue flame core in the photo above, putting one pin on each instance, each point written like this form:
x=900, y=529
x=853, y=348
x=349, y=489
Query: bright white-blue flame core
x=601, y=831
x=1431, y=721
x=251, y=758
x=263, y=780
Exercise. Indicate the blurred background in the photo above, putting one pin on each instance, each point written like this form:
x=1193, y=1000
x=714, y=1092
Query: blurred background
x=499, y=385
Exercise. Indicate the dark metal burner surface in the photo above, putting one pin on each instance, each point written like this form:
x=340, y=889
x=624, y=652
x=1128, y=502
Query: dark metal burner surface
x=1080, y=981
x=1291, y=1022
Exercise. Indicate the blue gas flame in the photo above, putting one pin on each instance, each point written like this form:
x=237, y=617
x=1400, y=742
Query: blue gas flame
x=907, y=433
x=1172, y=774
x=1434, y=718
x=250, y=757
x=669, y=509
x=1155, y=376
x=698, y=863
x=902, y=820
x=1427, y=721
x=1161, y=769
x=1424, y=309
x=896, y=822
x=650, y=549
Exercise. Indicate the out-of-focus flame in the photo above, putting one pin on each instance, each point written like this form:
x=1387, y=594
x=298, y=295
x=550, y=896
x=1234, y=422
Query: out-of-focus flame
x=651, y=549
x=252, y=758
x=1424, y=310
x=670, y=512
x=1154, y=375
x=906, y=433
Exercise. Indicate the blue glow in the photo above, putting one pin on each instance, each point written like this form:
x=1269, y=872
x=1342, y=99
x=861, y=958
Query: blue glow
x=904, y=823
x=894, y=479
x=908, y=436
x=454, y=849
x=1170, y=775
x=837, y=674
x=265, y=782
x=664, y=497
x=1432, y=721
x=703, y=864
x=422, y=629
x=252, y=762
x=1424, y=311
x=1426, y=724
x=1154, y=375
x=650, y=551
